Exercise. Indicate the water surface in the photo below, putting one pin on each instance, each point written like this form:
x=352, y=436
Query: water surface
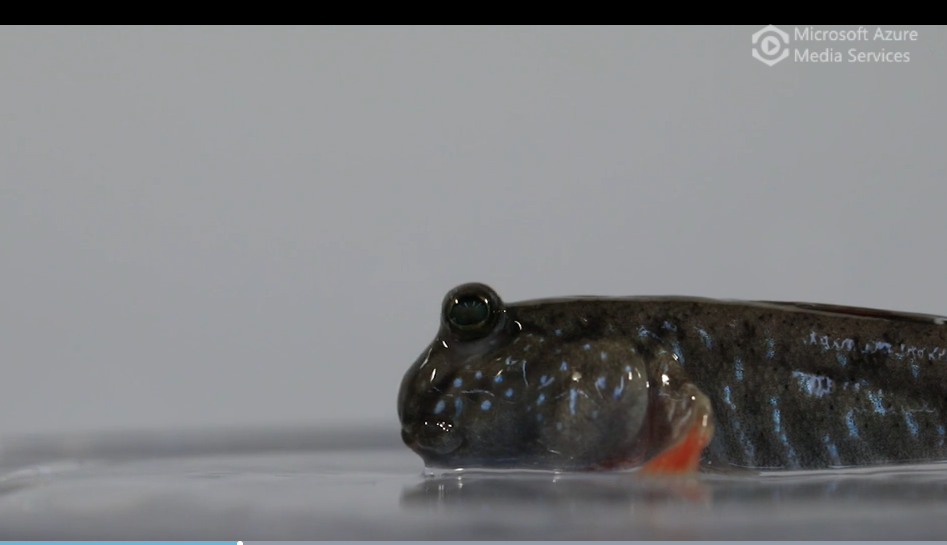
x=288, y=484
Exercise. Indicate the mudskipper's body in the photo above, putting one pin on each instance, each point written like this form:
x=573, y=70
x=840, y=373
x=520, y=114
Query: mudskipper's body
x=665, y=383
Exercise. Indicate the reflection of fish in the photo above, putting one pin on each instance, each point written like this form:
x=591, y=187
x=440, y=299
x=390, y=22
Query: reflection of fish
x=589, y=383
x=620, y=494
x=516, y=492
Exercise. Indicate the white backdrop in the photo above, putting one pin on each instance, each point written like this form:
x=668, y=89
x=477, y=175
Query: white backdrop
x=209, y=226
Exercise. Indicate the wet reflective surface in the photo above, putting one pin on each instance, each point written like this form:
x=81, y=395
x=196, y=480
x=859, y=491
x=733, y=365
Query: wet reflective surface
x=363, y=484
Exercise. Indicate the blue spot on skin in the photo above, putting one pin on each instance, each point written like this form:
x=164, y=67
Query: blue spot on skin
x=564, y=366
x=594, y=414
x=876, y=401
x=458, y=406
x=542, y=378
x=617, y=391
x=509, y=392
x=814, y=385
x=572, y=396
x=770, y=348
x=457, y=382
x=559, y=426
x=833, y=452
x=706, y=338
x=774, y=402
x=676, y=346
x=600, y=382
x=485, y=405
x=915, y=370
x=850, y=422
x=738, y=367
x=642, y=332
x=586, y=346
x=912, y=425
x=627, y=368
x=498, y=379
x=790, y=452
x=842, y=359
x=478, y=375
x=539, y=417
x=669, y=325
x=558, y=332
x=540, y=399
x=545, y=381
x=726, y=396
x=439, y=408
x=603, y=355
x=509, y=360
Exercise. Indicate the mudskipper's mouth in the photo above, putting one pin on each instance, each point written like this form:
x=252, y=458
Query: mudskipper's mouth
x=432, y=438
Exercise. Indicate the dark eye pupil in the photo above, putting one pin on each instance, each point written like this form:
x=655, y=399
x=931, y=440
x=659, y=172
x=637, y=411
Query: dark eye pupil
x=469, y=311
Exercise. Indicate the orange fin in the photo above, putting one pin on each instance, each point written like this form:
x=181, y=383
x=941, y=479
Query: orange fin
x=682, y=457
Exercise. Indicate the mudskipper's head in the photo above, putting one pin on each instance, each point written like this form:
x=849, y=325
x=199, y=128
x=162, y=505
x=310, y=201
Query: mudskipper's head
x=537, y=384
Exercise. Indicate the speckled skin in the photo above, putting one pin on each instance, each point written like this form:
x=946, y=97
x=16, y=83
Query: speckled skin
x=591, y=383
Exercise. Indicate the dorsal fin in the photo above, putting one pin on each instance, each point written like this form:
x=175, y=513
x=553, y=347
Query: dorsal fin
x=862, y=311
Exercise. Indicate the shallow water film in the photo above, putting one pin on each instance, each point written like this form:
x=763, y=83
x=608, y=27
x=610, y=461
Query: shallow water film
x=305, y=484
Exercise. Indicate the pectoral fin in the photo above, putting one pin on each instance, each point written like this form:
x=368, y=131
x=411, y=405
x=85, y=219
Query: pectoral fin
x=683, y=456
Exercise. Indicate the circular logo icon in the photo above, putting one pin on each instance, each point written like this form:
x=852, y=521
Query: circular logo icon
x=769, y=45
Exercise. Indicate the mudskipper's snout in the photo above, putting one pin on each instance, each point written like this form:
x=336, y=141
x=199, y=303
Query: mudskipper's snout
x=432, y=438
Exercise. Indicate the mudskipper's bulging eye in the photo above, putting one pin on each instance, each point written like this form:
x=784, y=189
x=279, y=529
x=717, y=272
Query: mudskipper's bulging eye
x=471, y=310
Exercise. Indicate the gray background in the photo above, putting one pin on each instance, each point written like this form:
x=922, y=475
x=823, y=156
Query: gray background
x=229, y=226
